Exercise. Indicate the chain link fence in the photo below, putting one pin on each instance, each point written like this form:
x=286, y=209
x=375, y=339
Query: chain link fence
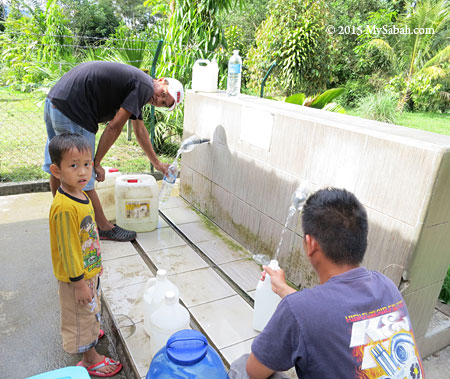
x=22, y=136
x=22, y=128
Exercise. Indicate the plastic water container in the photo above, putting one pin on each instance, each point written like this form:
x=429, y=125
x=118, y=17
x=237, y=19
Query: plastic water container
x=105, y=192
x=169, y=318
x=234, y=74
x=266, y=301
x=187, y=355
x=154, y=295
x=136, y=202
x=205, y=75
x=71, y=372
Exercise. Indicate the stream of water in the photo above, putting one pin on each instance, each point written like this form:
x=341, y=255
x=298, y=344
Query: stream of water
x=298, y=200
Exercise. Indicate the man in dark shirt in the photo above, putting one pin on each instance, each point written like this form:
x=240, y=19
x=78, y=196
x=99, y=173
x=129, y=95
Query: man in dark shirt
x=97, y=92
x=354, y=325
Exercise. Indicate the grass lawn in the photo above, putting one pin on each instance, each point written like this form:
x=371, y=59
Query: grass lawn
x=431, y=122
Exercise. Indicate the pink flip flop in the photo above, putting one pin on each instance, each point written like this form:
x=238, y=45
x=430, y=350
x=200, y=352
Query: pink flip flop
x=101, y=334
x=93, y=370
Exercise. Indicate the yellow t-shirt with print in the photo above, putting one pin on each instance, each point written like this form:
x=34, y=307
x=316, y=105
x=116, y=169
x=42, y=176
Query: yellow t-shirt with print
x=74, y=238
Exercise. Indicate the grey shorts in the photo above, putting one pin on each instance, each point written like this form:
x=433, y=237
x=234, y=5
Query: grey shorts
x=57, y=123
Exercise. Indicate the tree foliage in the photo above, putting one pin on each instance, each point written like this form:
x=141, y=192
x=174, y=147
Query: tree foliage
x=421, y=54
x=293, y=35
x=90, y=19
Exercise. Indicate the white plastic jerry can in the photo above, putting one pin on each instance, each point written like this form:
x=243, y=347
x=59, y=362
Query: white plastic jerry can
x=137, y=202
x=106, y=190
x=169, y=318
x=154, y=295
x=205, y=75
x=266, y=301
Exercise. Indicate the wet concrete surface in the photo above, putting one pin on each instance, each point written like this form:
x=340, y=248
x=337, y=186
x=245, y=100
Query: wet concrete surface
x=30, y=341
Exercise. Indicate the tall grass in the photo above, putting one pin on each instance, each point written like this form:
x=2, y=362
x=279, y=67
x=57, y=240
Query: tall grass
x=380, y=106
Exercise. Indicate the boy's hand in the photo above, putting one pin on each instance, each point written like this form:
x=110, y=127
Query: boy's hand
x=83, y=294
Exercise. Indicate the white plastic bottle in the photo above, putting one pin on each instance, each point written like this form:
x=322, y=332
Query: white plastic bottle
x=234, y=74
x=154, y=295
x=266, y=301
x=169, y=318
x=168, y=182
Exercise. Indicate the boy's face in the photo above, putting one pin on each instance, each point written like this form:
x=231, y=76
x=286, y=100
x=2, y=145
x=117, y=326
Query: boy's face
x=75, y=169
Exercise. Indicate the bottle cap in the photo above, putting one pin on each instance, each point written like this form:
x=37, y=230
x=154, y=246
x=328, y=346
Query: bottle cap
x=161, y=274
x=170, y=298
x=274, y=264
x=186, y=347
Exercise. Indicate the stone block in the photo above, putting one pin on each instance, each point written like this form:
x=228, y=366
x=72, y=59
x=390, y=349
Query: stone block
x=439, y=207
x=431, y=257
x=395, y=178
x=389, y=245
x=421, y=306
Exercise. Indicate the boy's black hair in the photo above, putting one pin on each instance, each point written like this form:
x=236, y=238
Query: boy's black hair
x=64, y=142
x=338, y=221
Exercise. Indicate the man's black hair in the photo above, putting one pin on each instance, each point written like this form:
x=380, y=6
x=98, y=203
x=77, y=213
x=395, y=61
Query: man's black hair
x=338, y=221
x=65, y=142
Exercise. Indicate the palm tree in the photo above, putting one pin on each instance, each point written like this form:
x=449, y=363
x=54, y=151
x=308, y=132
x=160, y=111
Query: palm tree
x=423, y=44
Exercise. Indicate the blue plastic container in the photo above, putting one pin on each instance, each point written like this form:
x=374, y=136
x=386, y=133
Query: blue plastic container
x=72, y=372
x=187, y=355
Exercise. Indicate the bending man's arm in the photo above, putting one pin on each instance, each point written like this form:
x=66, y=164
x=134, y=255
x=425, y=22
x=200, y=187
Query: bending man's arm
x=256, y=370
x=143, y=138
x=109, y=136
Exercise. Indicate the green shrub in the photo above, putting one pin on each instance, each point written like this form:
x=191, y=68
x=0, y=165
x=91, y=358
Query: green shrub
x=355, y=90
x=444, y=295
x=380, y=106
x=294, y=36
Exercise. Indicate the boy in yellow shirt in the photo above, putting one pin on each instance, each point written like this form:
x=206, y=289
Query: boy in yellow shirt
x=77, y=262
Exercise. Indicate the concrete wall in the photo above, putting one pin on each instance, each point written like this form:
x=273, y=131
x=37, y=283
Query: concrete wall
x=261, y=150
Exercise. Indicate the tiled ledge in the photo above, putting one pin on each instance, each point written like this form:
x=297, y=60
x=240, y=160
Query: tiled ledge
x=202, y=273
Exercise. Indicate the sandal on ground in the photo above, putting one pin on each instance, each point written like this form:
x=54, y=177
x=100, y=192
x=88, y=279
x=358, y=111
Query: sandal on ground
x=93, y=370
x=117, y=234
x=101, y=334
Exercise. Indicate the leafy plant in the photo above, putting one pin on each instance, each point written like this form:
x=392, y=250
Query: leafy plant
x=293, y=35
x=380, y=106
x=321, y=101
x=424, y=50
x=444, y=295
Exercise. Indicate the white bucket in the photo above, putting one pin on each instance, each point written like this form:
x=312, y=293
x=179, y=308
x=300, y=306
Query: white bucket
x=205, y=75
x=154, y=295
x=105, y=192
x=169, y=318
x=136, y=202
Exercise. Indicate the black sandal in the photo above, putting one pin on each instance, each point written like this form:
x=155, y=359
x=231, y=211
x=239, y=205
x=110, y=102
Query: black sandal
x=117, y=234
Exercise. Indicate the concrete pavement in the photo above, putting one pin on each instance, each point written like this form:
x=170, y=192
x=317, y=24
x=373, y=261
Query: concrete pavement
x=30, y=342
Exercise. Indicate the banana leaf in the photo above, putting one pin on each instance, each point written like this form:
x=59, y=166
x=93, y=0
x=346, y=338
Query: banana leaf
x=326, y=97
x=297, y=98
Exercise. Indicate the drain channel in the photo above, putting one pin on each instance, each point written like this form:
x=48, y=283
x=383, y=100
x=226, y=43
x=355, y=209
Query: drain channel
x=244, y=295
